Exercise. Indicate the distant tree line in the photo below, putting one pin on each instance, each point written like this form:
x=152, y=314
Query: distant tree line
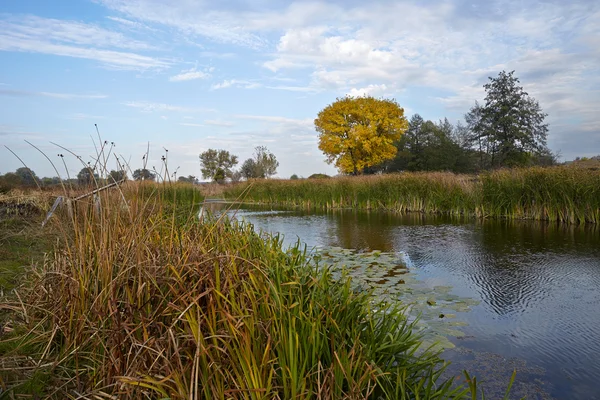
x=368, y=135
x=27, y=178
x=218, y=165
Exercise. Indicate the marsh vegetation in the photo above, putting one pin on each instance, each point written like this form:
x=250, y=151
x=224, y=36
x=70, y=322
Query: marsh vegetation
x=564, y=194
x=138, y=299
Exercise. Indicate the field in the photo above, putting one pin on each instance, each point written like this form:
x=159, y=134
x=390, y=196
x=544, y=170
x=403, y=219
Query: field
x=570, y=195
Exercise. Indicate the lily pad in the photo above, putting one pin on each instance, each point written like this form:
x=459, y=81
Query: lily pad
x=388, y=277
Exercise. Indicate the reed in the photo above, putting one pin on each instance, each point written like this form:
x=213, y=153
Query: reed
x=563, y=194
x=551, y=194
x=140, y=300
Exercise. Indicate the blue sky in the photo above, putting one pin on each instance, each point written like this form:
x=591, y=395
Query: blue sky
x=191, y=75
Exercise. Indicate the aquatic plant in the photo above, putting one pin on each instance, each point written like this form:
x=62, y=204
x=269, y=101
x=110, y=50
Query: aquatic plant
x=388, y=278
x=563, y=194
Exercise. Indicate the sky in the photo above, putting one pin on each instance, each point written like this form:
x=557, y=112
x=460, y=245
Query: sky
x=190, y=75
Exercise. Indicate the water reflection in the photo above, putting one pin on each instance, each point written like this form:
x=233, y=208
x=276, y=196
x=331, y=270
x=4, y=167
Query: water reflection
x=538, y=283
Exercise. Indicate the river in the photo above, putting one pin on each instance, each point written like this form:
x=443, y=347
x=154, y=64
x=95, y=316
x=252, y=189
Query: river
x=537, y=288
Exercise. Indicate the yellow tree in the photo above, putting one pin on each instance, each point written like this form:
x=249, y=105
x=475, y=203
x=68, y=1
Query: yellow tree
x=359, y=132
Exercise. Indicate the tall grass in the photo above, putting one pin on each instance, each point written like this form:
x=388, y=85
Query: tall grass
x=554, y=194
x=138, y=302
x=551, y=194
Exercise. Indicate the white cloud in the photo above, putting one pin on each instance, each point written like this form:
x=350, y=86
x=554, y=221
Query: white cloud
x=213, y=54
x=146, y=106
x=64, y=96
x=124, y=21
x=191, y=74
x=73, y=96
x=277, y=119
x=72, y=32
x=18, y=131
x=82, y=116
x=294, y=88
x=193, y=18
x=189, y=124
x=223, y=85
x=78, y=40
x=218, y=122
x=129, y=24
x=238, y=83
x=370, y=90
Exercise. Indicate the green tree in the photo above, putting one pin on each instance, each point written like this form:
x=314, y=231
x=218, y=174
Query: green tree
x=143, y=174
x=87, y=176
x=509, y=127
x=263, y=165
x=411, y=146
x=27, y=176
x=116, y=176
x=219, y=176
x=9, y=181
x=236, y=176
x=428, y=146
x=249, y=169
x=217, y=164
x=46, y=181
x=359, y=132
x=189, y=179
x=294, y=177
x=266, y=161
x=319, y=176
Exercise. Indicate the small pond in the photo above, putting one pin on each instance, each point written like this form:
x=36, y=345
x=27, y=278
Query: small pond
x=500, y=294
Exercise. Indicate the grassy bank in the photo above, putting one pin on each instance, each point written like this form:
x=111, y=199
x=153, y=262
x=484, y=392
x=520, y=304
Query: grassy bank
x=21, y=241
x=136, y=301
x=554, y=194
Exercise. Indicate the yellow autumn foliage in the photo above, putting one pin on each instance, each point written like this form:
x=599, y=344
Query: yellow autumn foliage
x=359, y=132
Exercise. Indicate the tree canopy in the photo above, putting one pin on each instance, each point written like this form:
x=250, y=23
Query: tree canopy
x=189, y=179
x=143, y=174
x=87, y=176
x=217, y=164
x=117, y=175
x=359, y=132
x=263, y=165
x=509, y=127
x=430, y=146
x=27, y=176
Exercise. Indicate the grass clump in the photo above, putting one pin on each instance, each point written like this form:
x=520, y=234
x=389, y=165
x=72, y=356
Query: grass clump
x=562, y=194
x=549, y=194
x=136, y=302
x=413, y=192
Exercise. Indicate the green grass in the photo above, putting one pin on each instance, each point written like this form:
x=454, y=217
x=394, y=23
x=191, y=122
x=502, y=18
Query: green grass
x=139, y=302
x=552, y=194
x=22, y=242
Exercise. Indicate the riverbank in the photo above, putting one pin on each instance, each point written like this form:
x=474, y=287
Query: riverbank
x=139, y=299
x=564, y=194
